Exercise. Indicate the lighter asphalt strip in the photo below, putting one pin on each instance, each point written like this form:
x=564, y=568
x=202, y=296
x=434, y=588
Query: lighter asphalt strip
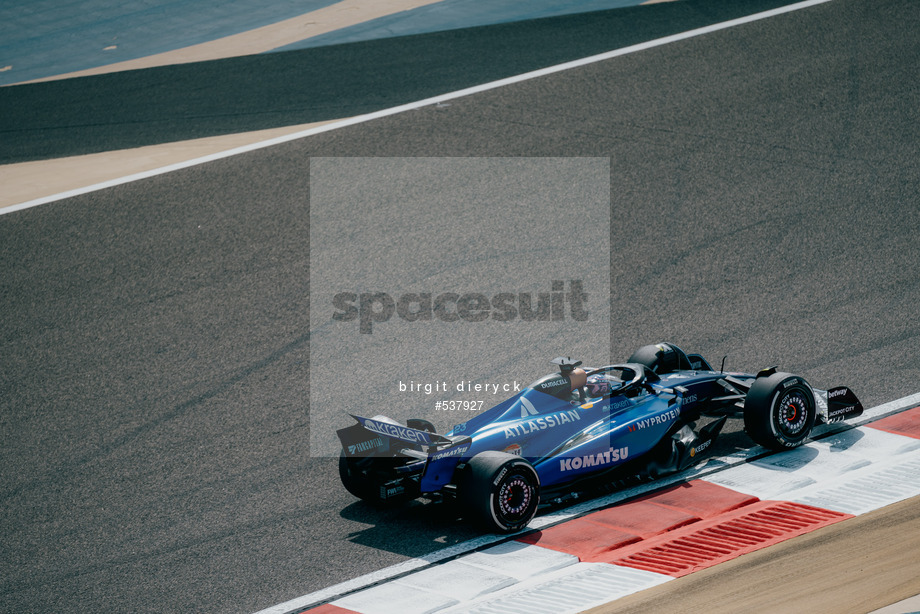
x=299, y=134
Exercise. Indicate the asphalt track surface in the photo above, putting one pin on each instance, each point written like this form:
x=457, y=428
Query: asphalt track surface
x=155, y=361
x=172, y=103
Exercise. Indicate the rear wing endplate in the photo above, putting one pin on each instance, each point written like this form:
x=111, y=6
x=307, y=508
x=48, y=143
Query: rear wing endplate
x=839, y=404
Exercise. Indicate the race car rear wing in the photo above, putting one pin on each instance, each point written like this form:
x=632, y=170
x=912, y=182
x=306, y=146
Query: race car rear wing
x=380, y=436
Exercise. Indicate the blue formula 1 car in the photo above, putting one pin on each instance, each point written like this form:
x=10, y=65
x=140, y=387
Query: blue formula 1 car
x=578, y=427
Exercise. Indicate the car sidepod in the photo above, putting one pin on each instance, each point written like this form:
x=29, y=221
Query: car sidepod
x=631, y=429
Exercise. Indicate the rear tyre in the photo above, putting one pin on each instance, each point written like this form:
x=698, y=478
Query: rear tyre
x=779, y=411
x=358, y=477
x=420, y=424
x=500, y=491
x=661, y=358
x=353, y=480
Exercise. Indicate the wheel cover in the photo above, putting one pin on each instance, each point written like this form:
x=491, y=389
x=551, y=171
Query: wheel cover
x=791, y=416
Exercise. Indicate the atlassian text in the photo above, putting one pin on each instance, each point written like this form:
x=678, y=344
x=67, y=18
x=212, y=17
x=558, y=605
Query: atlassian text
x=540, y=424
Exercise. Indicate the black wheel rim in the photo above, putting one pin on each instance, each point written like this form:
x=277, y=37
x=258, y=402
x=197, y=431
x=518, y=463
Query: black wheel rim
x=791, y=416
x=515, y=498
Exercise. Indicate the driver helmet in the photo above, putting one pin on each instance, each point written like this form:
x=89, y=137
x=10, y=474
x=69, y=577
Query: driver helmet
x=598, y=385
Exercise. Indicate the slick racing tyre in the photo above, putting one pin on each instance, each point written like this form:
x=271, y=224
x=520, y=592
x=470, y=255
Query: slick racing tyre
x=421, y=425
x=353, y=480
x=356, y=475
x=779, y=411
x=500, y=491
x=661, y=358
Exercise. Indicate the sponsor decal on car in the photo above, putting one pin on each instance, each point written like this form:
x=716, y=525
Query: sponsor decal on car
x=663, y=417
x=607, y=457
x=387, y=492
x=453, y=452
x=553, y=383
x=513, y=449
x=840, y=413
x=700, y=448
x=364, y=446
x=527, y=408
x=396, y=431
x=541, y=424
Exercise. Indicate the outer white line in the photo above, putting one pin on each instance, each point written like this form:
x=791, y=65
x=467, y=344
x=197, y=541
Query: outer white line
x=421, y=103
x=881, y=411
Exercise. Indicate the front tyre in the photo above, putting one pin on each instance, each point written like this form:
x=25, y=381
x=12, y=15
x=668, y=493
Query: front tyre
x=779, y=411
x=501, y=491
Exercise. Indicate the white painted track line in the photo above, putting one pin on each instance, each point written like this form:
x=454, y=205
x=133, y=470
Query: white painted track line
x=414, y=105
